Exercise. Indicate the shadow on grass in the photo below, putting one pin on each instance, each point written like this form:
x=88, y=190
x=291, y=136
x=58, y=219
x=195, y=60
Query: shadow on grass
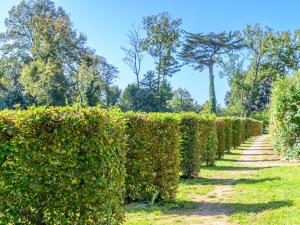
x=217, y=209
x=256, y=149
x=236, y=168
x=249, y=154
x=209, y=181
x=205, y=208
x=251, y=160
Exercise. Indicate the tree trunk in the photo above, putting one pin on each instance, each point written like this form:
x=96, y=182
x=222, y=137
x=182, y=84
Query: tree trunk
x=212, y=93
x=250, y=96
x=137, y=81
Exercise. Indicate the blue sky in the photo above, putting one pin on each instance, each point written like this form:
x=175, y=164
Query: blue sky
x=106, y=22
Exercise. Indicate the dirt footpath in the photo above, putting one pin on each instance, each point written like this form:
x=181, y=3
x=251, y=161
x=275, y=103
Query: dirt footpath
x=213, y=208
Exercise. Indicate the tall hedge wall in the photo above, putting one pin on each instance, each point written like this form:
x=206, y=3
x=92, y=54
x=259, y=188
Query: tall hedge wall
x=153, y=158
x=228, y=133
x=238, y=131
x=209, y=138
x=72, y=166
x=199, y=143
x=61, y=166
x=285, y=116
x=221, y=132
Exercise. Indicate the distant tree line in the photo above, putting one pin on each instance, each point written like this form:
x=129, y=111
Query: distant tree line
x=45, y=61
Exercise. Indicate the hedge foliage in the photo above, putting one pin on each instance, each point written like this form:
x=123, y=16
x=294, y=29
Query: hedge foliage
x=238, y=131
x=61, y=166
x=76, y=166
x=228, y=133
x=221, y=132
x=285, y=116
x=153, y=158
x=205, y=138
x=199, y=143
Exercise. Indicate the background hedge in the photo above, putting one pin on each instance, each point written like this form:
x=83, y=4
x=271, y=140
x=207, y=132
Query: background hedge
x=209, y=140
x=221, y=132
x=228, y=133
x=285, y=116
x=190, y=128
x=199, y=143
x=238, y=131
x=61, y=166
x=153, y=158
x=67, y=165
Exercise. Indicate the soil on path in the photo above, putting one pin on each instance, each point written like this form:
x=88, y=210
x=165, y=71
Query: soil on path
x=212, y=209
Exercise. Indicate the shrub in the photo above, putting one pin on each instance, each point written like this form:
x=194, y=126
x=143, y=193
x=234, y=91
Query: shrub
x=238, y=129
x=190, y=128
x=153, y=164
x=258, y=128
x=244, y=128
x=249, y=126
x=253, y=127
x=198, y=145
x=61, y=166
x=263, y=116
x=285, y=116
x=209, y=140
x=221, y=132
x=228, y=133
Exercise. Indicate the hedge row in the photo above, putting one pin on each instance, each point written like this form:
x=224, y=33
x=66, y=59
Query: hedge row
x=76, y=166
x=153, y=156
x=205, y=138
x=285, y=116
x=61, y=166
x=199, y=143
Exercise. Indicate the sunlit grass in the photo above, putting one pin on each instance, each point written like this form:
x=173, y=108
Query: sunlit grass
x=143, y=213
x=277, y=200
x=268, y=196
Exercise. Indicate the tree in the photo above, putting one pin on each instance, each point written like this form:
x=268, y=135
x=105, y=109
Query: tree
x=45, y=82
x=205, y=50
x=87, y=82
x=56, y=65
x=182, y=101
x=256, y=41
x=133, y=55
x=43, y=77
x=153, y=100
x=108, y=75
x=129, y=100
x=11, y=90
x=161, y=42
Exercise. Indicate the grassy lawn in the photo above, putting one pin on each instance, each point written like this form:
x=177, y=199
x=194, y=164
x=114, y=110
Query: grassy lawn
x=275, y=201
x=269, y=196
x=142, y=213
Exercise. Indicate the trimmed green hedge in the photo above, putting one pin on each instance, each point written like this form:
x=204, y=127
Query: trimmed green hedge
x=190, y=128
x=221, y=132
x=238, y=131
x=228, y=133
x=67, y=166
x=285, y=116
x=209, y=140
x=61, y=166
x=199, y=143
x=205, y=138
x=153, y=158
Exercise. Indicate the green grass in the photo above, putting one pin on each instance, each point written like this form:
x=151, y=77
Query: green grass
x=144, y=214
x=269, y=196
x=275, y=201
